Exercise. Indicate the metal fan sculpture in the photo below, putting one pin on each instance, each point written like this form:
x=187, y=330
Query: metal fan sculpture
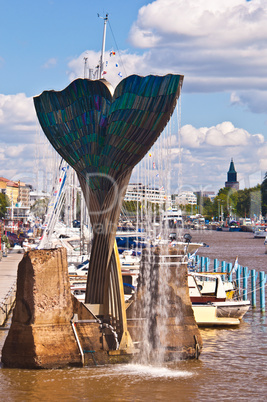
x=103, y=136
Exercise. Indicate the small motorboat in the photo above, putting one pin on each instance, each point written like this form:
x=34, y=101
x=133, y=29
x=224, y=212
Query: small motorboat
x=234, y=226
x=214, y=301
x=260, y=232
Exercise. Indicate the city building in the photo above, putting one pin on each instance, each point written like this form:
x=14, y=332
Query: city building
x=207, y=194
x=12, y=191
x=37, y=195
x=140, y=192
x=3, y=182
x=16, y=215
x=18, y=194
x=23, y=194
x=232, y=177
x=185, y=198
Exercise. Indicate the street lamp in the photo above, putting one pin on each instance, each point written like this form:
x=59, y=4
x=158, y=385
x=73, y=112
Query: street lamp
x=219, y=208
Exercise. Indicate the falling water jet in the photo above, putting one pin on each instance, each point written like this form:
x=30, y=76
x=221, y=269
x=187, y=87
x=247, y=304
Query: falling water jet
x=160, y=316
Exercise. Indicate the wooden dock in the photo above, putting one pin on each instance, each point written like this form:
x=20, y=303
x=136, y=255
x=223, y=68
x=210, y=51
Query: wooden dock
x=8, y=278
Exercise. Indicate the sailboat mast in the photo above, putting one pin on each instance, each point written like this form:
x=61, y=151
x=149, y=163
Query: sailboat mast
x=103, y=48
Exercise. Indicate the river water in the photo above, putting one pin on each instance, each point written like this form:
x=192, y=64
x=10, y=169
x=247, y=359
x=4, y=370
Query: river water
x=232, y=365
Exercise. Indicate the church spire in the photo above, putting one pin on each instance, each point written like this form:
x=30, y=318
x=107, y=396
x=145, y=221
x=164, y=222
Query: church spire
x=232, y=177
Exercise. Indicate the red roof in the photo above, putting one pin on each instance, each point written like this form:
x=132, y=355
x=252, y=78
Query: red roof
x=12, y=184
x=4, y=179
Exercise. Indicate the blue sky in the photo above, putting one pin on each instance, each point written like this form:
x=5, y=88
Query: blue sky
x=219, y=47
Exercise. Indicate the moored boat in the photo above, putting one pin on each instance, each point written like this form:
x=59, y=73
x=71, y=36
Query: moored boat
x=260, y=232
x=207, y=315
x=210, y=290
x=214, y=301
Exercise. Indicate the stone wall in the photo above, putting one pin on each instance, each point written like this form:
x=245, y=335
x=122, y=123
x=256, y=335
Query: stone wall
x=160, y=316
x=41, y=335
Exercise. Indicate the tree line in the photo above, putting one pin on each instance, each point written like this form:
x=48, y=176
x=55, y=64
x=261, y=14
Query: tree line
x=233, y=204
x=228, y=204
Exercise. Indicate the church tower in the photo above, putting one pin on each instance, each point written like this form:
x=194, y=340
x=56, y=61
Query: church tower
x=232, y=177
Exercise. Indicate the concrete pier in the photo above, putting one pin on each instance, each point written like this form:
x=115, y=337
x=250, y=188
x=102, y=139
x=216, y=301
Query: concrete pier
x=8, y=278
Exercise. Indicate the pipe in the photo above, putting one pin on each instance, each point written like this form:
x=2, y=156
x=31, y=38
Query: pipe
x=262, y=290
x=215, y=265
x=254, y=276
x=73, y=321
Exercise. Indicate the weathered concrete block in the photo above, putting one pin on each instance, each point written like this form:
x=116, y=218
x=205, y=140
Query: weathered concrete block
x=41, y=335
x=161, y=316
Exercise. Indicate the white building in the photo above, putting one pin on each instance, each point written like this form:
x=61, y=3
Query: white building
x=140, y=192
x=185, y=198
x=35, y=195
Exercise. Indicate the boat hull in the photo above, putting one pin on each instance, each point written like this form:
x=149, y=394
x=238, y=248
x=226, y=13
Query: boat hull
x=233, y=309
x=206, y=315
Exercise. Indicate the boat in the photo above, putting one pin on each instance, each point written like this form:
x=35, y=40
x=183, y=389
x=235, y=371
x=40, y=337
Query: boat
x=206, y=315
x=130, y=240
x=208, y=290
x=130, y=258
x=78, y=288
x=80, y=270
x=234, y=226
x=78, y=282
x=214, y=301
x=30, y=244
x=260, y=232
x=172, y=218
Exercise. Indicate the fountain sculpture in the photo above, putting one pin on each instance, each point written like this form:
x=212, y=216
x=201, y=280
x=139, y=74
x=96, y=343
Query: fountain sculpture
x=102, y=136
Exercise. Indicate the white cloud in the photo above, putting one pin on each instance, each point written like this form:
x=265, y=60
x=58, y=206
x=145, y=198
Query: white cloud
x=254, y=100
x=203, y=160
x=23, y=146
x=193, y=137
x=117, y=66
x=14, y=151
x=221, y=135
x=16, y=114
x=218, y=45
x=207, y=152
x=207, y=23
x=50, y=63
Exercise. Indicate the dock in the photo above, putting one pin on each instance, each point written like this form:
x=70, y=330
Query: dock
x=8, y=278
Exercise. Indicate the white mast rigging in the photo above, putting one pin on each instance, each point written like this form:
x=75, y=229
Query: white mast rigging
x=102, y=60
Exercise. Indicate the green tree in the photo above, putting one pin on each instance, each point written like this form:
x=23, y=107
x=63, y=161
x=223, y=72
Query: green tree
x=129, y=207
x=207, y=208
x=4, y=203
x=39, y=208
x=243, y=203
x=191, y=209
x=256, y=201
x=264, y=195
x=248, y=201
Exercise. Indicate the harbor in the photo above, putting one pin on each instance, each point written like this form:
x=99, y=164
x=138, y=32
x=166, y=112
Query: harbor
x=228, y=365
x=132, y=259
